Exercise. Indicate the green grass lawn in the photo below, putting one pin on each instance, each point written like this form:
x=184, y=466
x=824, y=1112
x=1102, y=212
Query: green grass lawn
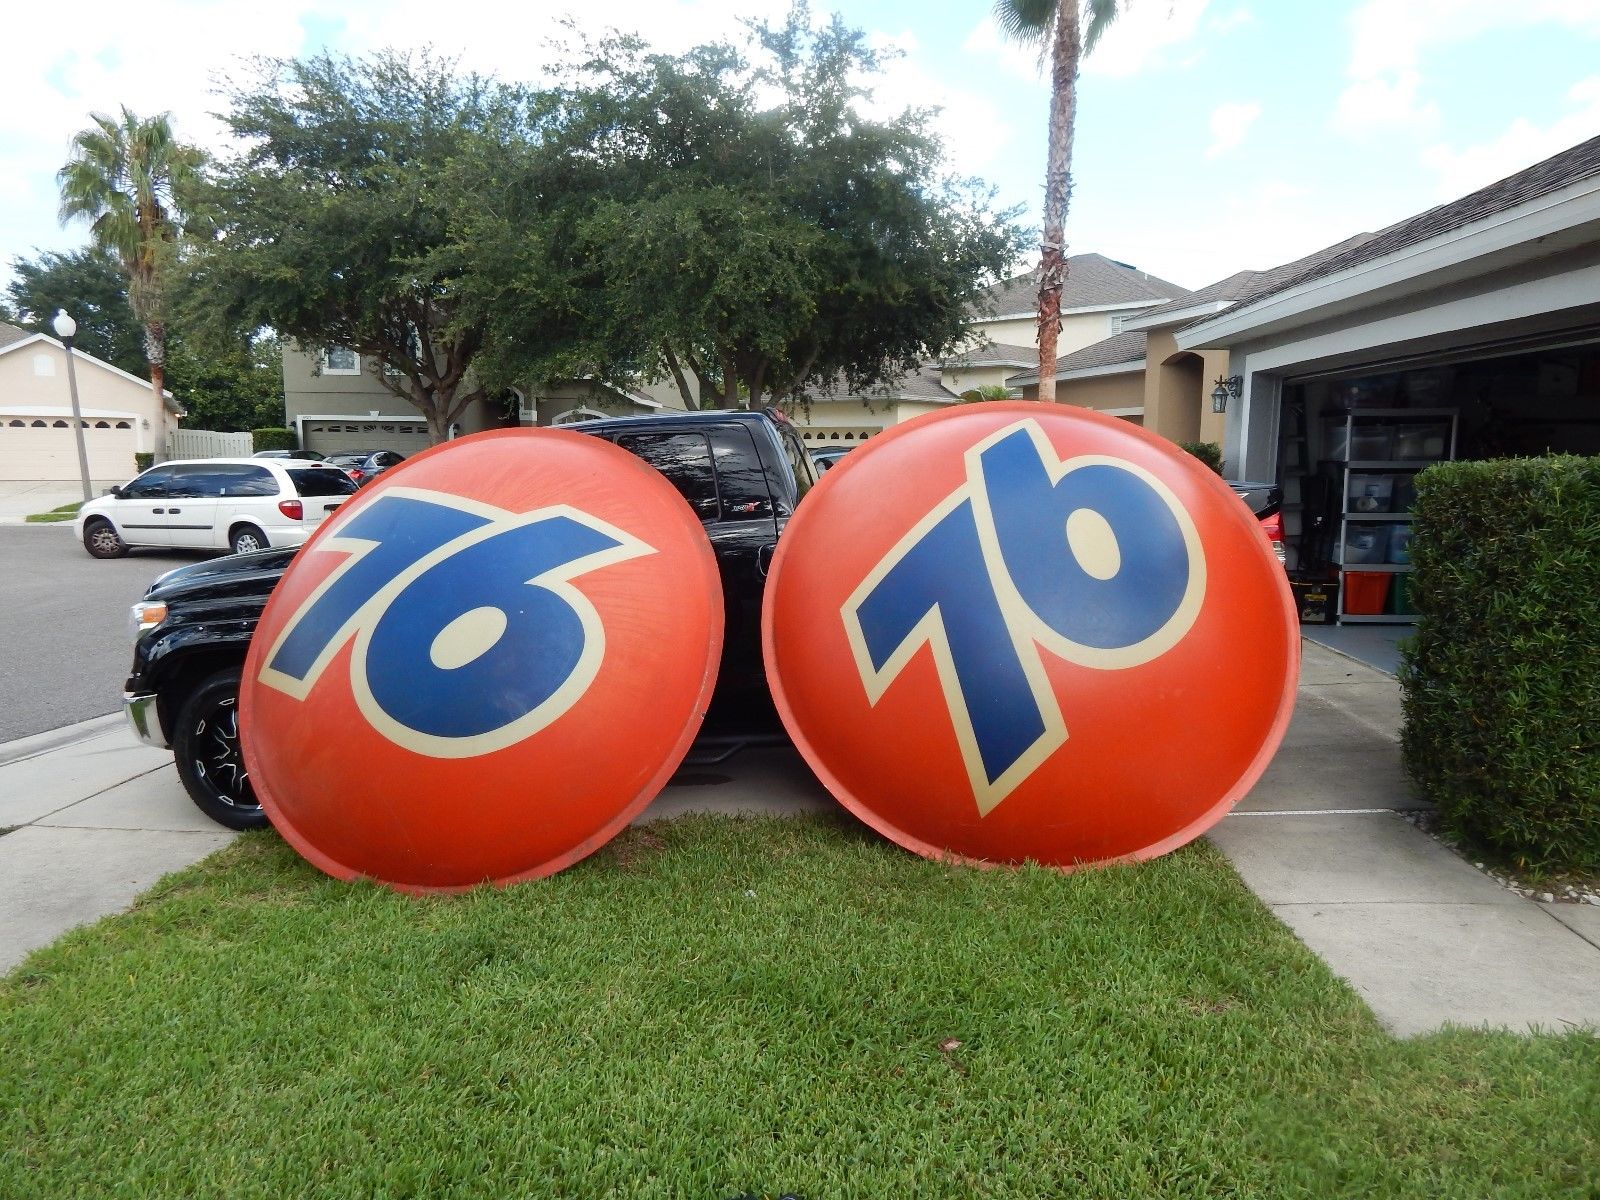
x=712, y=1008
x=65, y=512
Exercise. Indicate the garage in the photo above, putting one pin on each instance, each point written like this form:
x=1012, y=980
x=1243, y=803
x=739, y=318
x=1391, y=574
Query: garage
x=40, y=445
x=332, y=435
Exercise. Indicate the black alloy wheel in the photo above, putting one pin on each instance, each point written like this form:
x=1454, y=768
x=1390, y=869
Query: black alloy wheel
x=210, y=761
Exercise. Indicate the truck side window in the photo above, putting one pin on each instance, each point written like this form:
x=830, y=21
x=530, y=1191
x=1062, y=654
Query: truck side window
x=740, y=476
x=805, y=474
x=685, y=459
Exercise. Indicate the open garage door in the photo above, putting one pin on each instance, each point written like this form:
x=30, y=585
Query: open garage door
x=43, y=448
x=330, y=435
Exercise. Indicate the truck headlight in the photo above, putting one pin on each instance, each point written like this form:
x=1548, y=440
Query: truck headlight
x=146, y=615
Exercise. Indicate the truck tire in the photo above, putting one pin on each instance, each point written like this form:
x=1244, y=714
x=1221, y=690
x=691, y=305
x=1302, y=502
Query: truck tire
x=205, y=745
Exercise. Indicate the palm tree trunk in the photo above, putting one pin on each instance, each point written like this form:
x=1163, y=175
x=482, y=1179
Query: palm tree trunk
x=155, y=354
x=1065, y=51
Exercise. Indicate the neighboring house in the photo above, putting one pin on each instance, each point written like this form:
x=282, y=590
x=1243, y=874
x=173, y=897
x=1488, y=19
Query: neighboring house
x=334, y=401
x=120, y=414
x=1100, y=296
x=1489, y=305
x=1142, y=375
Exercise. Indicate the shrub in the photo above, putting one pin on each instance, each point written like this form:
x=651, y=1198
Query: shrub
x=1207, y=452
x=274, y=439
x=143, y=460
x=1501, y=685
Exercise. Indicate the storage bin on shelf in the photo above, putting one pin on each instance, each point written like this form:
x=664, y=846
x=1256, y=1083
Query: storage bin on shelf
x=1400, y=602
x=1427, y=441
x=1399, y=549
x=1365, y=544
x=1370, y=493
x=1365, y=592
x=1371, y=442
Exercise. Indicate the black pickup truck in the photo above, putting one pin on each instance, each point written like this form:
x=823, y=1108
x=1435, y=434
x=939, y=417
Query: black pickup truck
x=743, y=473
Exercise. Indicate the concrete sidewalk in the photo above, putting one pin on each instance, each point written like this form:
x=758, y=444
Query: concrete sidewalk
x=21, y=499
x=1425, y=938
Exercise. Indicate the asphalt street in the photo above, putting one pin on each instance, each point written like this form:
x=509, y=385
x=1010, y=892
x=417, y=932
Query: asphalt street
x=65, y=645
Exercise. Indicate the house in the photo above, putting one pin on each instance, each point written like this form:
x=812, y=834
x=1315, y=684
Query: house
x=1099, y=297
x=1471, y=330
x=334, y=401
x=121, y=416
x=1141, y=374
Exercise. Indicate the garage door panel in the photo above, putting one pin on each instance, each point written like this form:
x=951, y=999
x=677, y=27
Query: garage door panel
x=331, y=437
x=51, y=453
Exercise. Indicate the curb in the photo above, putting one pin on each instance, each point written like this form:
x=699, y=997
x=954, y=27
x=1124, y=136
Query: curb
x=42, y=743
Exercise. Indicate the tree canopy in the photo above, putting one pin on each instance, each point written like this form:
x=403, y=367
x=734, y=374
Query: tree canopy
x=744, y=222
x=330, y=225
x=129, y=177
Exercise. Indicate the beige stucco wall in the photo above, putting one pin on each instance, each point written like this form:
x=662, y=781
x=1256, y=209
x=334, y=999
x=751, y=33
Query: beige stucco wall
x=1103, y=391
x=1077, y=330
x=35, y=376
x=960, y=379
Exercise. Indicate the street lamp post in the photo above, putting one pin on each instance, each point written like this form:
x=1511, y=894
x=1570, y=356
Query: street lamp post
x=66, y=329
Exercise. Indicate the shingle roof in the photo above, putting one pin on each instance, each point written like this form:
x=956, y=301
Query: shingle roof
x=1244, y=283
x=994, y=354
x=1092, y=280
x=1117, y=350
x=1562, y=170
x=10, y=333
x=920, y=384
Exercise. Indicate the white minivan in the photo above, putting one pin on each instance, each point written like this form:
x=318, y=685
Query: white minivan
x=237, y=504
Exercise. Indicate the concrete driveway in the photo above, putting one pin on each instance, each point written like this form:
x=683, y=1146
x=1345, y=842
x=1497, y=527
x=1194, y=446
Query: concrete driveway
x=20, y=499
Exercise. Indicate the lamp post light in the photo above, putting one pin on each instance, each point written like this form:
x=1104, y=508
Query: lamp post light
x=66, y=329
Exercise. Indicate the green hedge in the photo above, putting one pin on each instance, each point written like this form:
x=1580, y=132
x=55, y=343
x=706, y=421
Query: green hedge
x=1501, y=685
x=274, y=439
x=1209, y=453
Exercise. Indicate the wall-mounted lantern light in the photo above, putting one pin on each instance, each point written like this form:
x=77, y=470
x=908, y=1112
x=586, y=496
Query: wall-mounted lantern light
x=1226, y=389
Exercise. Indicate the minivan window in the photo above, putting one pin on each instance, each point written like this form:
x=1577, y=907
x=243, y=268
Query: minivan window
x=152, y=485
x=321, y=481
x=222, y=479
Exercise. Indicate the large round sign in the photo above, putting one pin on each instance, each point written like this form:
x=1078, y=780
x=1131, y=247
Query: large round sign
x=1010, y=632
x=483, y=665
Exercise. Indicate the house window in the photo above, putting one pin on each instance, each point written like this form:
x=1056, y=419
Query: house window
x=1116, y=323
x=340, y=360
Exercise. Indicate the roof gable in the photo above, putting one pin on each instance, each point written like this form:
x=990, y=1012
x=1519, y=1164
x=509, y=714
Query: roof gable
x=1093, y=281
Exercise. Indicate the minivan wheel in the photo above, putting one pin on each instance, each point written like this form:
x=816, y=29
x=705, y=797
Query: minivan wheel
x=100, y=538
x=248, y=538
x=205, y=745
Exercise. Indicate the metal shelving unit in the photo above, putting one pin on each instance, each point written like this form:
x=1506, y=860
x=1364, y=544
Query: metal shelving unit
x=1363, y=430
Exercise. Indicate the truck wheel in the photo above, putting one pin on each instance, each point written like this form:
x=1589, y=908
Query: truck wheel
x=205, y=744
x=247, y=538
x=100, y=538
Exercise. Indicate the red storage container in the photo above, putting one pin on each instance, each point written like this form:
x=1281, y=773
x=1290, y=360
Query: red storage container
x=1365, y=592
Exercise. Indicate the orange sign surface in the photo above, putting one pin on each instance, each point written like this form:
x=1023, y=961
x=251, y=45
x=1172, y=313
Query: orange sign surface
x=484, y=664
x=1010, y=632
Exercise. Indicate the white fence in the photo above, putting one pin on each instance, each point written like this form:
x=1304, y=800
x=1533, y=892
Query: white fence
x=208, y=443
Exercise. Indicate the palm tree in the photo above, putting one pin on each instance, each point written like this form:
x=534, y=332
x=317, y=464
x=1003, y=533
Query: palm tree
x=1067, y=29
x=127, y=177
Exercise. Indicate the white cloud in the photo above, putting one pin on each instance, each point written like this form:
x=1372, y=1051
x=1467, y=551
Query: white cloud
x=1522, y=144
x=1223, y=22
x=971, y=124
x=1229, y=125
x=1390, y=38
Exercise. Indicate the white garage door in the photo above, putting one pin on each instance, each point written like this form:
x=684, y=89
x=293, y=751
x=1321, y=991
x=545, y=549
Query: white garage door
x=44, y=448
x=330, y=437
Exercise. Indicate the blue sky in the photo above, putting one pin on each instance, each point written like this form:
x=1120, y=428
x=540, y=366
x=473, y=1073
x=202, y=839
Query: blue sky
x=1212, y=134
